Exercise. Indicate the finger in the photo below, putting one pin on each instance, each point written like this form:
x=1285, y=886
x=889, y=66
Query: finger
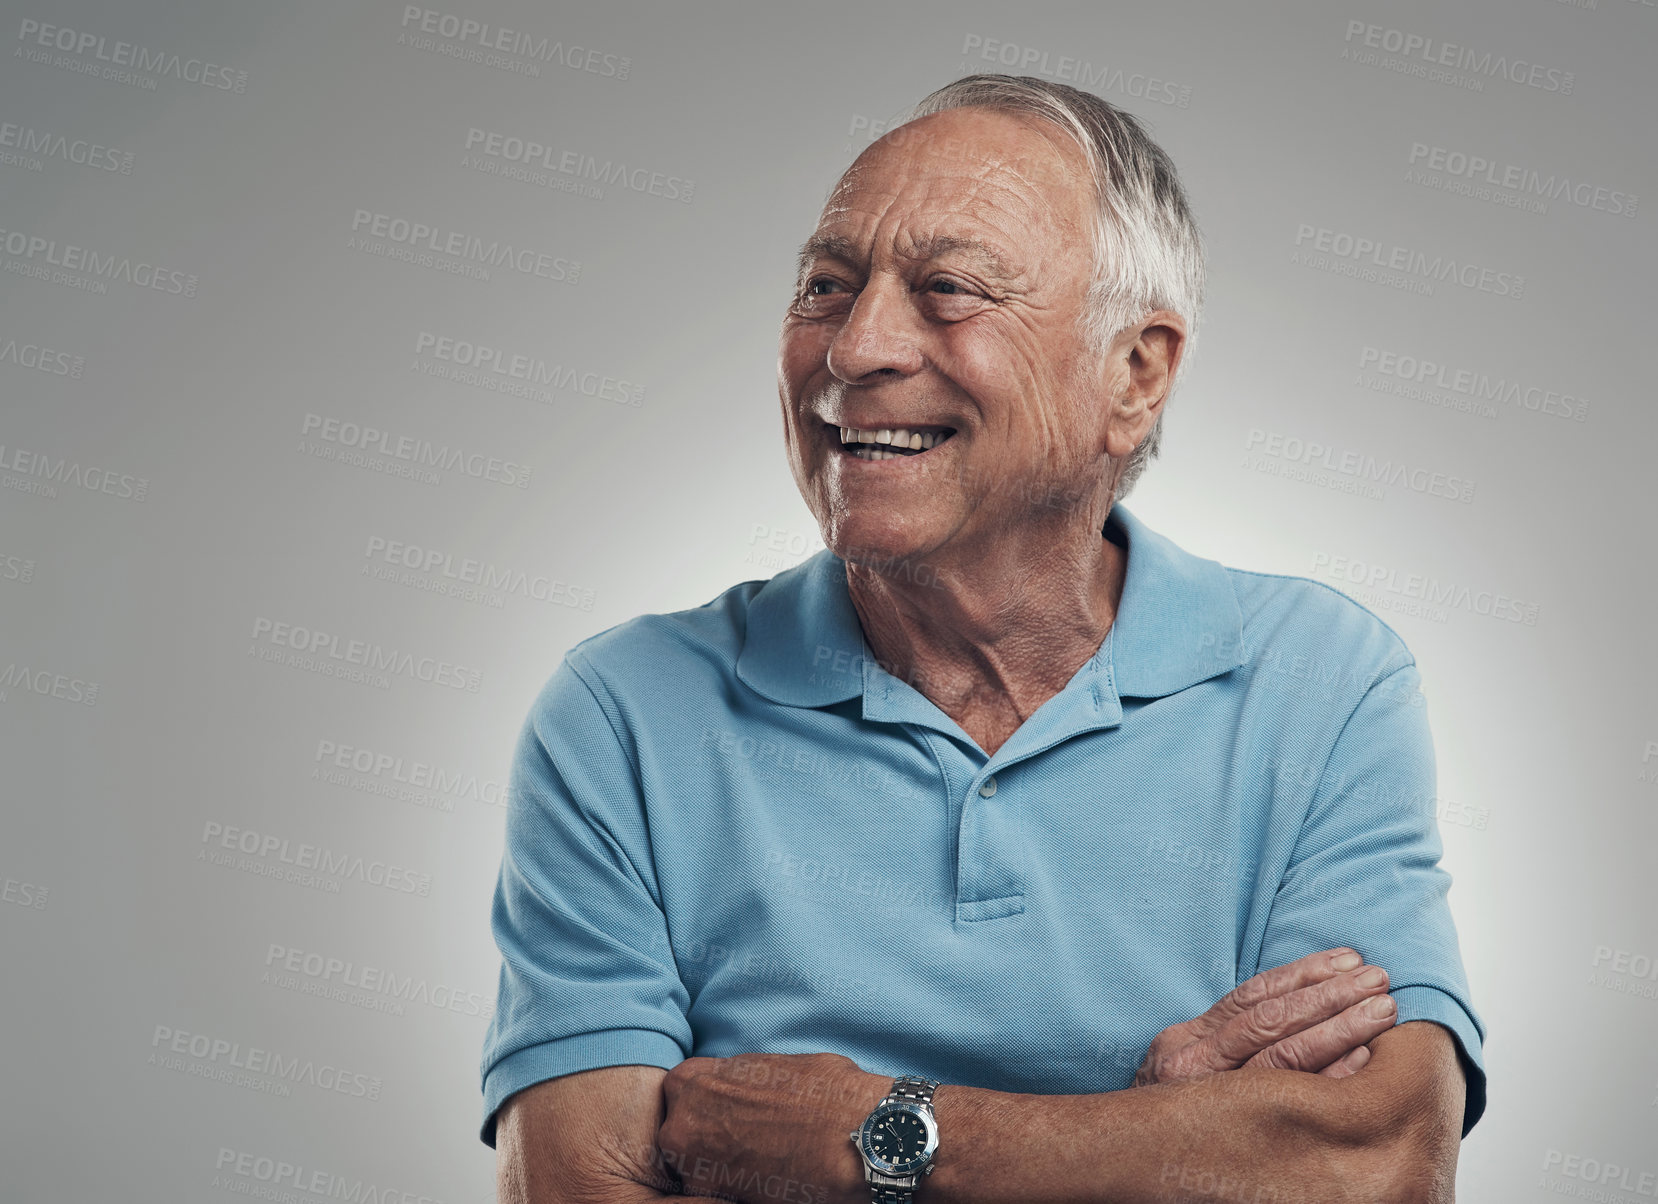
x=1328, y=1045
x=1174, y=1053
x=1272, y=1020
x=1269, y=984
x=681, y=1076
x=1351, y=1064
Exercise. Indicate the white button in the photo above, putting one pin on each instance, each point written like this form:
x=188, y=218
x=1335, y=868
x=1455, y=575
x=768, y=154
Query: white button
x=988, y=789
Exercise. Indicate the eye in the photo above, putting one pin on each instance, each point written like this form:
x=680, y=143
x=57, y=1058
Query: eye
x=819, y=286
x=949, y=299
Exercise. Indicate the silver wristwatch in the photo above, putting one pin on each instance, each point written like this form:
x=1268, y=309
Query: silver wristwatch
x=898, y=1140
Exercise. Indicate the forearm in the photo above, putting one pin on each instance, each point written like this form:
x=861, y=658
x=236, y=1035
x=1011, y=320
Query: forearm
x=585, y=1138
x=523, y=1185
x=1390, y=1131
x=1278, y=1136
x=1236, y=1136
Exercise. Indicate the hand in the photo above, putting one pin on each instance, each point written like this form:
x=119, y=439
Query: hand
x=768, y=1127
x=1314, y=1014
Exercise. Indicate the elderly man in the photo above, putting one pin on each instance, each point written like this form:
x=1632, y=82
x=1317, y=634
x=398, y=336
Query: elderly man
x=1002, y=851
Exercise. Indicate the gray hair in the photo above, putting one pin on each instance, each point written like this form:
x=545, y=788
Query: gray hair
x=1148, y=253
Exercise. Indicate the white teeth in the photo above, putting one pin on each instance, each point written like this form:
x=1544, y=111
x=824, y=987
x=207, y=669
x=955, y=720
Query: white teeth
x=871, y=444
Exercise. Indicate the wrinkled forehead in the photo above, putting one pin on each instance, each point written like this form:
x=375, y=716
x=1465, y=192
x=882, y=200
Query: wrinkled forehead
x=1019, y=173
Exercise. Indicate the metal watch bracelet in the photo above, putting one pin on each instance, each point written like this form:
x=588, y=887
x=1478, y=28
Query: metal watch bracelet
x=911, y=1089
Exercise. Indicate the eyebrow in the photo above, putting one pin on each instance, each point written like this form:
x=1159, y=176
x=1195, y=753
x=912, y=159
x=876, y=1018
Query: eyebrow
x=840, y=247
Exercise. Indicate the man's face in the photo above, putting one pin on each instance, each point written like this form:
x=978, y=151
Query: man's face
x=942, y=295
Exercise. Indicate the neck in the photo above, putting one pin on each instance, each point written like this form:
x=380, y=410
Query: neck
x=989, y=642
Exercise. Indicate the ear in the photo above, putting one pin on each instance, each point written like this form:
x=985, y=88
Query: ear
x=1146, y=354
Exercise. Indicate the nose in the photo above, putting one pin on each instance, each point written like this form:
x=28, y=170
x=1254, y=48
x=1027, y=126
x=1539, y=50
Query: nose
x=880, y=336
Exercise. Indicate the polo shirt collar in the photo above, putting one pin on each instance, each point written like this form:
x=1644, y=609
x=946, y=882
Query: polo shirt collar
x=804, y=645
x=1178, y=623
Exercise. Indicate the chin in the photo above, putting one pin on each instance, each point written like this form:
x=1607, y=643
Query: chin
x=877, y=544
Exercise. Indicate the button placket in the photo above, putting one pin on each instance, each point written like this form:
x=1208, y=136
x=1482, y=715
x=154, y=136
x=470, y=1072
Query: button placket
x=992, y=853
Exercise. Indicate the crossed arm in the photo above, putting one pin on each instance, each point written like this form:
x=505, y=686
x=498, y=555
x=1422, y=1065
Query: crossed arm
x=1289, y=1089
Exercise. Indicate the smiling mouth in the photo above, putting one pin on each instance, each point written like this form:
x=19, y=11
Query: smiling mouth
x=891, y=443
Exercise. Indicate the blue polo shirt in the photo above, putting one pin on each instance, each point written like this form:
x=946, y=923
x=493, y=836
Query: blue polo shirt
x=730, y=829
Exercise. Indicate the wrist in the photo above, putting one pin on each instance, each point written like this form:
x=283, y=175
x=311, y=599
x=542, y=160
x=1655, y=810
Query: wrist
x=849, y=1185
x=898, y=1139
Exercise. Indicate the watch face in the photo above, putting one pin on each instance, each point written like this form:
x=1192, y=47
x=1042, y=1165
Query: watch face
x=898, y=1138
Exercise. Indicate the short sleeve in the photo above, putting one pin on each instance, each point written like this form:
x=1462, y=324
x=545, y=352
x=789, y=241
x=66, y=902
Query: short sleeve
x=1365, y=871
x=587, y=973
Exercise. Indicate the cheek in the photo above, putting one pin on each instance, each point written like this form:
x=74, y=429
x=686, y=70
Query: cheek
x=792, y=374
x=987, y=378
x=803, y=349
x=1005, y=376
x=1068, y=402
x=987, y=369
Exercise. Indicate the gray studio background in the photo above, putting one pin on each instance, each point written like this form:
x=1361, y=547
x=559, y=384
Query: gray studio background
x=246, y=880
